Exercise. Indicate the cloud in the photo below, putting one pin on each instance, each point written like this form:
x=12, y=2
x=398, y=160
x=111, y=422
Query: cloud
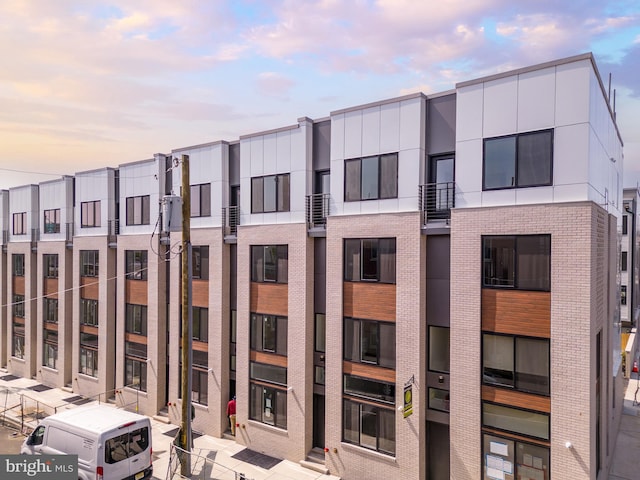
x=274, y=84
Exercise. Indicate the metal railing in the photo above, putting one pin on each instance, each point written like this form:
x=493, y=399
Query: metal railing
x=436, y=201
x=113, y=230
x=317, y=210
x=230, y=221
x=202, y=467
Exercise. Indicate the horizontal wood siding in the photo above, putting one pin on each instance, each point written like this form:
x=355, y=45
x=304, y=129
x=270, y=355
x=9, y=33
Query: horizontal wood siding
x=89, y=288
x=200, y=346
x=200, y=293
x=51, y=287
x=369, y=371
x=269, y=358
x=516, y=312
x=374, y=301
x=136, y=292
x=516, y=399
x=270, y=298
x=135, y=338
x=18, y=285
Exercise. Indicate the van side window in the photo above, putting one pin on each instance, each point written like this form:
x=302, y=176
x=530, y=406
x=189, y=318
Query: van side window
x=126, y=445
x=37, y=436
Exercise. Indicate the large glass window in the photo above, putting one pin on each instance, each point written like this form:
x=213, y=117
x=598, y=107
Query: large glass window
x=438, y=399
x=135, y=365
x=201, y=200
x=20, y=223
x=371, y=178
x=136, y=319
x=439, y=349
x=52, y=221
x=200, y=324
x=50, y=310
x=623, y=261
x=18, y=305
x=50, y=265
x=521, y=262
x=268, y=405
x=369, y=389
x=369, y=426
x=370, y=260
x=89, y=263
x=136, y=264
x=90, y=214
x=510, y=459
x=17, y=264
x=138, y=209
x=89, y=355
x=269, y=263
x=50, y=348
x=200, y=262
x=269, y=333
x=89, y=312
x=368, y=341
x=514, y=420
x=320, y=332
x=521, y=363
x=270, y=194
x=522, y=160
x=17, y=343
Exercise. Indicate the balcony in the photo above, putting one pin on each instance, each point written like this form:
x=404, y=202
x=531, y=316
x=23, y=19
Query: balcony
x=435, y=203
x=230, y=222
x=113, y=230
x=69, y=232
x=35, y=236
x=317, y=211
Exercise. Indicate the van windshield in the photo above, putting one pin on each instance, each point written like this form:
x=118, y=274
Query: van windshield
x=126, y=445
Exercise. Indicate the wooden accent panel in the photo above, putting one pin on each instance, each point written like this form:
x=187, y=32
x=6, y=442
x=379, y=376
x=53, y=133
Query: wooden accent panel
x=18, y=320
x=369, y=371
x=51, y=287
x=136, y=292
x=374, y=301
x=269, y=358
x=89, y=329
x=18, y=285
x=272, y=298
x=516, y=399
x=135, y=338
x=200, y=346
x=516, y=312
x=51, y=326
x=89, y=288
x=200, y=293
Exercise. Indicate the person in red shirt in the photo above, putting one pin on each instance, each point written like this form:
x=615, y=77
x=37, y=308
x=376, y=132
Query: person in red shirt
x=231, y=412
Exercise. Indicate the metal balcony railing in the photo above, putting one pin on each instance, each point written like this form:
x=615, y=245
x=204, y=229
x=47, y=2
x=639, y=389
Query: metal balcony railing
x=113, y=230
x=317, y=210
x=69, y=232
x=230, y=221
x=436, y=201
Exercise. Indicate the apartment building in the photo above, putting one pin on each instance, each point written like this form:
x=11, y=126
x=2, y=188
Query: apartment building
x=423, y=287
x=629, y=260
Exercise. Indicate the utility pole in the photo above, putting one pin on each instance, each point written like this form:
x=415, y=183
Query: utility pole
x=186, y=340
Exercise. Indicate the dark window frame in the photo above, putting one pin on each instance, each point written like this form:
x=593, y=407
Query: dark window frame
x=90, y=214
x=89, y=312
x=624, y=261
x=138, y=210
x=368, y=263
x=50, y=348
x=515, y=432
x=136, y=264
x=376, y=410
x=623, y=294
x=50, y=310
x=52, y=220
x=18, y=264
x=379, y=194
x=19, y=223
x=18, y=305
x=50, y=265
x=357, y=343
x=257, y=323
x=136, y=319
x=281, y=195
x=89, y=263
x=278, y=401
x=91, y=364
x=276, y=271
x=200, y=200
x=200, y=262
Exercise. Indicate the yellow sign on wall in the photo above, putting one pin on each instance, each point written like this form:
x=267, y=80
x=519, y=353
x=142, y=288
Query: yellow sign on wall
x=408, y=400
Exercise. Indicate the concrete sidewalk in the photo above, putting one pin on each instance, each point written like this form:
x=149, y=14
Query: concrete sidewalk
x=625, y=465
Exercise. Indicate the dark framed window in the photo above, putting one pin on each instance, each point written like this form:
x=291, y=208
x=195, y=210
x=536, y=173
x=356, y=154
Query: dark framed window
x=20, y=223
x=370, y=260
x=18, y=305
x=89, y=312
x=439, y=349
x=520, y=363
x=17, y=343
x=138, y=209
x=232, y=341
x=90, y=214
x=136, y=319
x=127, y=445
x=265, y=372
x=623, y=294
x=524, y=460
x=439, y=399
x=269, y=333
x=625, y=224
x=320, y=333
x=515, y=420
x=268, y=405
x=270, y=193
x=50, y=265
x=50, y=310
x=200, y=325
x=135, y=365
x=17, y=264
x=623, y=261
x=89, y=354
x=369, y=389
x=269, y=263
x=89, y=263
x=516, y=161
x=520, y=262
x=200, y=262
x=369, y=426
x=371, y=178
x=199, y=377
x=50, y=348
x=201, y=200
x=52, y=221
x=369, y=341
x=136, y=264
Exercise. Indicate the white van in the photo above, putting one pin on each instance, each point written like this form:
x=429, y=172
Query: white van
x=111, y=444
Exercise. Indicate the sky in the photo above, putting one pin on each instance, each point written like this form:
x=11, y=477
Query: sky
x=87, y=84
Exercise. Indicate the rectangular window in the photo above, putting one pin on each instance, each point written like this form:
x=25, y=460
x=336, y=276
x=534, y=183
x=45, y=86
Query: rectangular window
x=232, y=354
x=136, y=264
x=50, y=307
x=52, y=221
x=200, y=324
x=623, y=294
x=50, y=348
x=625, y=224
x=200, y=262
x=370, y=260
x=623, y=261
x=50, y=265
x=268, y=405
x=199, y=385
x=136, y=365
x=269, y=333
x=89, y=312
x=268, y=373
x=371, y=178
x=438, y=399
x=521, y=262
x=439, y=349
x=516, y=161
x=320, y=333
x=17, y=344
x=136, y=319
x=90, y=214
x=89, y=358
x=89, y=263
x=270, y=193
x=521, y=363
x=138, y=209
x=524, y=460
x=369, y=389
x=201, y=200
x=20, y=223
x=17, y=264
x=368, y=341
x=18, y=305
x=369, y=426
x=126, y=445
x=514, y=420
x=269, y=263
